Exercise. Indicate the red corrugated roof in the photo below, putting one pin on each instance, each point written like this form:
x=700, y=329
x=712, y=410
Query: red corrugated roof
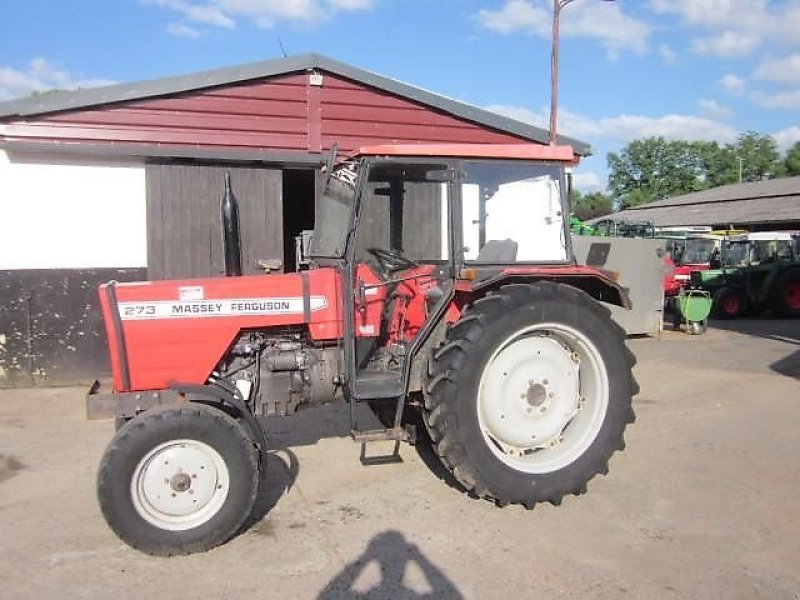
x=269, y=106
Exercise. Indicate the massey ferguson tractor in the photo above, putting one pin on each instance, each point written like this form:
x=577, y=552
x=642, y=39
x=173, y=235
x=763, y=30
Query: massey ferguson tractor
x=441, y=283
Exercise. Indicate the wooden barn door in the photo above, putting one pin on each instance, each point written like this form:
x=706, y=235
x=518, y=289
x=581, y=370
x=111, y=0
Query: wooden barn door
x=184, y=236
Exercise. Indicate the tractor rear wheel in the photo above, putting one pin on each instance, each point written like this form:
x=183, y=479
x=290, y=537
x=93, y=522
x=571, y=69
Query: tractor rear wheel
x=786, y=297
x=178, y=480
x=529, y=395
x=728, y=303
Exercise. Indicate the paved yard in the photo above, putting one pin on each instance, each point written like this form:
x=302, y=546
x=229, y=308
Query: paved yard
x=702, y=504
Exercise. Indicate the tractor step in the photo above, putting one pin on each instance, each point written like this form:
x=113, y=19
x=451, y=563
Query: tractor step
x=393, y=434
x=380, y=459
x=399, y=434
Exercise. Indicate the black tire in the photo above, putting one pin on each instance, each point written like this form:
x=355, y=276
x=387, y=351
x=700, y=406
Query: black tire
x=453, y=392
x=728, y=303
x=785, y=301
x=203, y=427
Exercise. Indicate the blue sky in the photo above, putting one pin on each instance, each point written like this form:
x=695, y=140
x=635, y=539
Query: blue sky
x=684, y=69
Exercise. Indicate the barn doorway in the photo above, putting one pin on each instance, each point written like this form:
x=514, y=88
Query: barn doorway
x=298, y=211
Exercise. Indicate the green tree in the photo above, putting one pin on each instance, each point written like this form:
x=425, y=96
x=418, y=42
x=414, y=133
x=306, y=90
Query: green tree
x=753, y=157
x=759, y=156
x=655, y=168
x=720, y=164
x=791, y=164
x=589, y=206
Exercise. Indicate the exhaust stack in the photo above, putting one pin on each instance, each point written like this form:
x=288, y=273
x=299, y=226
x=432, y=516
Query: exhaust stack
x=231, y=246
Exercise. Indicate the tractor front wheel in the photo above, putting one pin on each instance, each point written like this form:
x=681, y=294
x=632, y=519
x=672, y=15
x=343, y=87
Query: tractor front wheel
x=178, y=480
x=530, y=393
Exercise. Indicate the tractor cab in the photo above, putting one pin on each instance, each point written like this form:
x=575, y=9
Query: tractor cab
x=417, y=226
x=417, y=203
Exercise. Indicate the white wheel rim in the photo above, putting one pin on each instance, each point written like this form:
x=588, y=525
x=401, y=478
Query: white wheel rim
x=179, y=485
x=542, y=398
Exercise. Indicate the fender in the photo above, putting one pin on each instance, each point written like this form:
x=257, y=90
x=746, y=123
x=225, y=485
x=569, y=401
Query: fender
x=224, y=393
x=102, y=403
x=599, y=284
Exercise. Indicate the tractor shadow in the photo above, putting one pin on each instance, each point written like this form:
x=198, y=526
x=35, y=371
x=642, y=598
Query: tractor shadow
x=786, y=331
x=403, y=571
x=282, y=467
x=427, y=454
x=788, y=366
x=278, y=474
x=308, y=427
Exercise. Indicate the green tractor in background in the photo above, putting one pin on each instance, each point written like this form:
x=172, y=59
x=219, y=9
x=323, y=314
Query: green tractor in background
x=754, y=273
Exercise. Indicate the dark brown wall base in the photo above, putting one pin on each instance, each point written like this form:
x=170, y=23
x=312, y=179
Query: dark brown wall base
x=51, y=330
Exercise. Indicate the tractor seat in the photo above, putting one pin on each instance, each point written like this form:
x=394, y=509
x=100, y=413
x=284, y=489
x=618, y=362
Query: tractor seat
x=495, y=252
x=498, y=252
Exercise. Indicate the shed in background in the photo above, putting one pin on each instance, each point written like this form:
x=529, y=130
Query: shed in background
x=123, y=182
x=769, y=205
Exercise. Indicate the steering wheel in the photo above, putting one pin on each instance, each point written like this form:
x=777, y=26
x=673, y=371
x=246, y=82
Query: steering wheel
x=391, y=260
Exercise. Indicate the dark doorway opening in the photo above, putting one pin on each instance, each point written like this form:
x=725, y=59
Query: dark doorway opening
x=298, y=211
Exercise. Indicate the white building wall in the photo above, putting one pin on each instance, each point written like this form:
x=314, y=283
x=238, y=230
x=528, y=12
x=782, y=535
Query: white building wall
x=71, y=214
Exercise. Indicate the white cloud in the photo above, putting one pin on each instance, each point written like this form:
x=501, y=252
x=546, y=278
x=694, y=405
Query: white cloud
x=40, y=76
x=668, y=55
x=588, y=182
x=784, y=70
x=181, y=30
x=207, y=14
x=264, y=13
x=625, y=128
x=610, y=133
x=674, y=127
x=714, y=110
x=732, y=83
x=351, y=4
x=787, y=138
x=728, y=44
x=790, y=99
x=712, y=13
x=603, y=21
x=516, y=16
x=735, y=27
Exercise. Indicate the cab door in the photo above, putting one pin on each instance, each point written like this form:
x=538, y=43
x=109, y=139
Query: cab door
x=401, y=270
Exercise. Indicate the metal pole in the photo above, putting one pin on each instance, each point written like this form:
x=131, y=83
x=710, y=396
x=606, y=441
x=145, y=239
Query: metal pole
x=554, y=75
x=557, y=6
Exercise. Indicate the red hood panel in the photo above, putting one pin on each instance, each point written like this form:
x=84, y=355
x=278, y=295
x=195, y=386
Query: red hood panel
x=179, y=330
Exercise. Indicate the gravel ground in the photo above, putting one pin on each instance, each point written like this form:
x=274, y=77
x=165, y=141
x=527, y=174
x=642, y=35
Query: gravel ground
x=702, y=504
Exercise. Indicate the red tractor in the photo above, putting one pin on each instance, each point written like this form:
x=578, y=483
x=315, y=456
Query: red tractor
x=441, y=282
